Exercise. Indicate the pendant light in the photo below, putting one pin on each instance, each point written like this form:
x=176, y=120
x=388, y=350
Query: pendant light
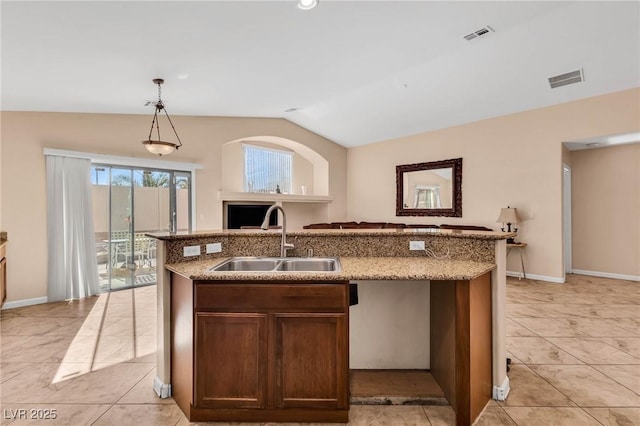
x=158, y=146
x=307, y=4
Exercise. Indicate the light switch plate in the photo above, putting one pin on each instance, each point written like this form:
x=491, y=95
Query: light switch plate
x=214, y=248
x=191, y=251
x=416, y=245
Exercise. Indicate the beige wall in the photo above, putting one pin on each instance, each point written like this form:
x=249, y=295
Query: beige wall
x=605, y=201
x=513, y=160
x=25, y=134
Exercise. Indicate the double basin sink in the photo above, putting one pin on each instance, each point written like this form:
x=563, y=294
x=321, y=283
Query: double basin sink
x=279, y=264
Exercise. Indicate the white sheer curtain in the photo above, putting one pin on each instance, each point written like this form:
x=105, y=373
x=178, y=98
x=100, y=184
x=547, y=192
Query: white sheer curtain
x=73, y=270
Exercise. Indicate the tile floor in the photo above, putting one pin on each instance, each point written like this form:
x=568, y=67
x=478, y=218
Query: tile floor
x=575, y=350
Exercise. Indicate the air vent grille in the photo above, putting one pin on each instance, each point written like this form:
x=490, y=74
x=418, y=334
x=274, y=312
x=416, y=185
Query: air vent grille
x=568, y=78
x=479, y=33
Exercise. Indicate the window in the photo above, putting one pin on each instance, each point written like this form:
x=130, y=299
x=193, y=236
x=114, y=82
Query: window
x=427, y=197
x=267, y=170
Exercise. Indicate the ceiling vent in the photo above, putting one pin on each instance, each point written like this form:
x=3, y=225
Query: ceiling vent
x=568, y=78
x=481, y=32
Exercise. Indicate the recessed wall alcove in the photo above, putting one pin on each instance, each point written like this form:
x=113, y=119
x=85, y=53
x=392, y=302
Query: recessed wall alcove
x=309, y=170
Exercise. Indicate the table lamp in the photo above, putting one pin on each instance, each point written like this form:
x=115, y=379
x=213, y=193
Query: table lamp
x=508, y=216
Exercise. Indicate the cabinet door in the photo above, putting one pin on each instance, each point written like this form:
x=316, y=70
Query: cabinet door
x=231, y=359
x=311, y=357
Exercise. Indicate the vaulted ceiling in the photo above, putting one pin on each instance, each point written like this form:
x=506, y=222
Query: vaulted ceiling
x=356, y=72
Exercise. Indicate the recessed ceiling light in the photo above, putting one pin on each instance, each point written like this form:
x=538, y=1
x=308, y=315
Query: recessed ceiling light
x=307, y=4
x=183, y=76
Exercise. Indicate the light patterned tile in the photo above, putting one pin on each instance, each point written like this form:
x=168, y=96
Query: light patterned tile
x=41, y=348
x=35, y=326
x=598, y=327
x=550, y=327
x=33, y=385
x=10, y=343
x=587, y=387
x=629, y=324
x=529, y=389
x=58, y=414
x=536, y=350
x=136, y=415
x=616, y=416
x=593, y=351
x=104, y=385
x=439, y=415
x=515, y=329
x=289, y=424
x=557, y=416
x=143, y=393
x=627, y=375
x=184, y=422
x=616, y=311
x=9, y=370
x=517, y=310
x=494, y=416
x=389, y=415
x=630, y=345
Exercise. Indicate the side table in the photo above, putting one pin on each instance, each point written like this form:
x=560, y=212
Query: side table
x=520, y=247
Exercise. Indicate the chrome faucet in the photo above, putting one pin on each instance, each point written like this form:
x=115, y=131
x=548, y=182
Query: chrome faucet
x=284, y=246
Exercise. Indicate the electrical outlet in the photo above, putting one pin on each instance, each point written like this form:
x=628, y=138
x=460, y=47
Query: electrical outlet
x=191, y=251
x=214, y=248
x=416, y=245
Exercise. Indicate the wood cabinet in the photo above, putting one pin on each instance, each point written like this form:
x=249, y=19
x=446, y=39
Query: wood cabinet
x=260, y=351
x=231, y=360
x=309, y=360
x=461, y=344
x=3, y=274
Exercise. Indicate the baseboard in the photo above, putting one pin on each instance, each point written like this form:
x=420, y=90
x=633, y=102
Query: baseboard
x=500, y=393
x=25, y=302
x=161, y=389
x=517, y=274
x=606, y=275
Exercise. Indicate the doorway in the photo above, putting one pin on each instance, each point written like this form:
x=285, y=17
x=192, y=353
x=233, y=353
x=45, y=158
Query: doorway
x=566, y=217
x=128, y=203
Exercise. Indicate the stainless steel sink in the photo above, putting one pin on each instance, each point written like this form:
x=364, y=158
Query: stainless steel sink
x=248, y=264
x=279, y=264
x=310, y=264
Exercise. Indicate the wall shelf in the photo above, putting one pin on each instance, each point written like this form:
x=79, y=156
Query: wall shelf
x=283, y=198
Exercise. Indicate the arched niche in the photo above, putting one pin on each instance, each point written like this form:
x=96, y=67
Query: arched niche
x=310, y=168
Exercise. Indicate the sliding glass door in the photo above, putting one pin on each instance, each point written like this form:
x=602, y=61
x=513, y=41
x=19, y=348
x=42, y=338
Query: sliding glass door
x=128, y=203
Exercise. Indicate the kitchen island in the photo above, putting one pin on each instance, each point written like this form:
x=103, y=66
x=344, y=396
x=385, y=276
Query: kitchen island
x=466, y=311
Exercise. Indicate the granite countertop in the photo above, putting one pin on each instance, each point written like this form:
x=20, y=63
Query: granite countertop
x=454, y=233
x=353, y=268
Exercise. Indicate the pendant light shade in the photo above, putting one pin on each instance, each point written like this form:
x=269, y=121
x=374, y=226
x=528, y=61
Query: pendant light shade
x=307, y=4
x=158, y=146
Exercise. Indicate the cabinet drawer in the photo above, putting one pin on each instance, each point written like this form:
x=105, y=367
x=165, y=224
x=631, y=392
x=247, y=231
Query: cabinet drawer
x=258, y=297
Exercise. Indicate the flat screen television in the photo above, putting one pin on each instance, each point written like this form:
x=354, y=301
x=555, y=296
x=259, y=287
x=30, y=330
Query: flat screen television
x=239, y=215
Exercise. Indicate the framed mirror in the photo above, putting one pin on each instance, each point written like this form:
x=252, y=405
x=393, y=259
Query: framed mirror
x=429, y=189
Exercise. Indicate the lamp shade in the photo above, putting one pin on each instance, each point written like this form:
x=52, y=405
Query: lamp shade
x=307, y=4
x=159, y=147
x=508, y=215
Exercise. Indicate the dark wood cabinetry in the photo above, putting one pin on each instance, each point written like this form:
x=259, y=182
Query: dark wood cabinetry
x=260, y=351
x=3, y=274
x=461, y=344
x=231, y=360
x=310, y=359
